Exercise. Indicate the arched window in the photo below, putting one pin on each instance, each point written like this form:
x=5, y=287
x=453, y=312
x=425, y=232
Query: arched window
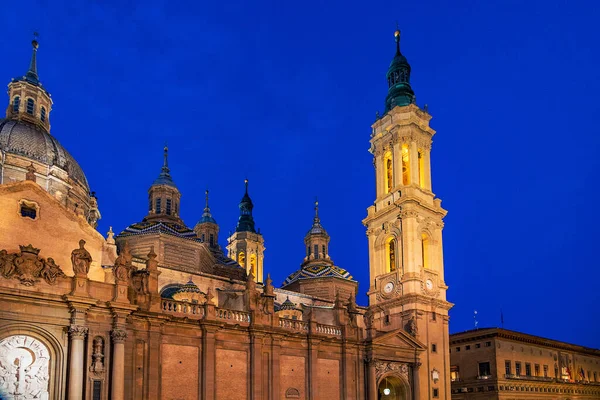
x=316, y=251
x=16, y=102
x=389, y=174
x=168, y=208
x=30, y=106
x=421, y=169
x=43, y=114
x=405, y=165
x=242, y=259
x=391, y=254
x=425, y=255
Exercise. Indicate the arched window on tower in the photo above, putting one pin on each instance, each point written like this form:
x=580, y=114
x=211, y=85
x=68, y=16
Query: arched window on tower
x=43, y=114
x=242, y=259
x=168, y=208
x=405, y=165
x=421, y=169
x=316, y=251
x=425, y=250
x=389, y=174
x=391, y=254
x=157, y=206
x=30, y=106
x=16, y=103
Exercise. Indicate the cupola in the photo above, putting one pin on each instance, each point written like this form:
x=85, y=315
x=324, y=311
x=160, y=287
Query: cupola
x=400, y=92
x=207, y=228
x=245, y=221
x=163, y=195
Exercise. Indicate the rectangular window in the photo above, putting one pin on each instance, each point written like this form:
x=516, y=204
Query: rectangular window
x=97, y=390
x=527, y=369
x=480, y=389
x=556, y=372
x=212, y=240
x=421, y=170
x=488, y=344
x=537, y=370
x=316, y=251
x=484, y=369
x=324, y=252
x=467, y=347
x=157, y=206
x=518, y=368
x=507, y=367
x=308, y=250
x=433, y=316
x=595, y=377
x=545, y=371
x=434, y=348
x=454, y=375
x=436, y=393
x=457, y=349
x=478, y=345
x=29, y=212
x=30, y=106
x=168, y=208
x=491, y=388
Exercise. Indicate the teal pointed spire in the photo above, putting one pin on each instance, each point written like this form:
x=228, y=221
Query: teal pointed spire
x=164, y=178
x=317, y=228
x=206, y=215
x=400, y=92
x=245, y=221
x=32, y=72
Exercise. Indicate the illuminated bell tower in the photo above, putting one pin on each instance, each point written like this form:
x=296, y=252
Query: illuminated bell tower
x=404, y=229
x=246, y=245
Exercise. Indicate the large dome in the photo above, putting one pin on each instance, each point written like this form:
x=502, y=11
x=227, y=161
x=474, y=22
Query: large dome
x=25, y=139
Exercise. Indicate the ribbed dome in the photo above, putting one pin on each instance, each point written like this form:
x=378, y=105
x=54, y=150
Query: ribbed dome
x=25, y=139
x=318, y=271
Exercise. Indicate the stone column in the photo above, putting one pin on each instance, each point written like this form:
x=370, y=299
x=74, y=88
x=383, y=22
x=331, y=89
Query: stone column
x=208, y=362
x=77, y=335
x=371, y=380
x=379, y=170
x=413, y=152
x=118, y=371
x=427, y=166
x=256, y=381
x=275, y=388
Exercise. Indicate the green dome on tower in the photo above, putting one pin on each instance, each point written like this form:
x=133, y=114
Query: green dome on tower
x=400, y=92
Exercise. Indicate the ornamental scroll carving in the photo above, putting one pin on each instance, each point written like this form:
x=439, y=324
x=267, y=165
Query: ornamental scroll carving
x=384, y=367
x=28, y=267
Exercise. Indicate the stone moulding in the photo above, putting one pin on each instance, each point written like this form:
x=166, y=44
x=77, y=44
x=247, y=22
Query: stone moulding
x=28, y=267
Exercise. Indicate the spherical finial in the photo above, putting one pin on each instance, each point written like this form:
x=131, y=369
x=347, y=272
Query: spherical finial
x=35, y=44
x=397, y=33
x=246, y=182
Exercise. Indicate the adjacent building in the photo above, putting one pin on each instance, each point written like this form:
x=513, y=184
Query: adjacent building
x=495, y=363
x=160, y=311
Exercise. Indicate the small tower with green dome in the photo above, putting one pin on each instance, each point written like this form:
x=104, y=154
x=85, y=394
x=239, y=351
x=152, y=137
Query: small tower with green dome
x=207, y=228
x=400, y=92
x=246, y=245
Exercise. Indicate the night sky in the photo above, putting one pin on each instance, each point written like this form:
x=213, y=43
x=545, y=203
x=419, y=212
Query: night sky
x=284, y=93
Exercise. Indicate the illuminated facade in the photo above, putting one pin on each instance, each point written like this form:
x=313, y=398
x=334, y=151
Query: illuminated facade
x=159, y=311
x=495, y=363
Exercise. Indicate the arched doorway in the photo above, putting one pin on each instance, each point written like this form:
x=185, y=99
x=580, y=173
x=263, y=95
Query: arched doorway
x=24, y=368
x=392, y=388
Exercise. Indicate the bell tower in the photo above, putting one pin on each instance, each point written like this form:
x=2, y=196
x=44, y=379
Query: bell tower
x=404, y=229
x=246, y=245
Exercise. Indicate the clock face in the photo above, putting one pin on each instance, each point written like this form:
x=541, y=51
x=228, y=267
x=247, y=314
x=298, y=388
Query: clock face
x=388, y=287
x=429, y=284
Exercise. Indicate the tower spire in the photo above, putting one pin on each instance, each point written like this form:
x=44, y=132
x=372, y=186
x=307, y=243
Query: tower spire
x=400, y=92
x=164, y=178
x=32, y=72
x=397, y=36
x=246, y=221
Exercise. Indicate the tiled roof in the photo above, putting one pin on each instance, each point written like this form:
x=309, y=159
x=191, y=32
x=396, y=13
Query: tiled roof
x=169, y=228
x=318, y=271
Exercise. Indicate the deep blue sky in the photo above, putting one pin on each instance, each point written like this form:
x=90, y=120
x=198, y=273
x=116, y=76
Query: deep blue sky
x=284, y=93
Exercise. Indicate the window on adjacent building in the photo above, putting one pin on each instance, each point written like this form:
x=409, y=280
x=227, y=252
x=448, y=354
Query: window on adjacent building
x=43, y=114
x=545, y=371
x=30, y=106
x=16, y=102
x=537, y=369
x=527, y=369
x=555, y=371
x=28, y=211
x=454, y=375
x=467, y=347
x=484, y=369
x=488, y=344
x=507, y=367
x=518, y=368
x=595, y=376
x=434, y=348
x=436, y=393
x=478, y=345
x=157, y=206
x=457, y=349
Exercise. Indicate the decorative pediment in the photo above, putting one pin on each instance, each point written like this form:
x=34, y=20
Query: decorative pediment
x=399, y=339
x=28, y=267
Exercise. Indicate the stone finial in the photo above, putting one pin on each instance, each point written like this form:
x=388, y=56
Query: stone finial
x=110, y=236
x=81, y=260
x=209, y=296
x=151, y=263
x=30, y=174
x=338, y=301
x=269, y=286
x=352, y=304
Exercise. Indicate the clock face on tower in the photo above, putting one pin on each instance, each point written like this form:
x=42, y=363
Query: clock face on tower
x=388, y=288
x=429, y=284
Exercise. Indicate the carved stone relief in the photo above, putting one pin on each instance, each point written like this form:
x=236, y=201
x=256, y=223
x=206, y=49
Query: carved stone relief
x=24, y=363
x=27, y=267
x=383, y=367
x=98, y=355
